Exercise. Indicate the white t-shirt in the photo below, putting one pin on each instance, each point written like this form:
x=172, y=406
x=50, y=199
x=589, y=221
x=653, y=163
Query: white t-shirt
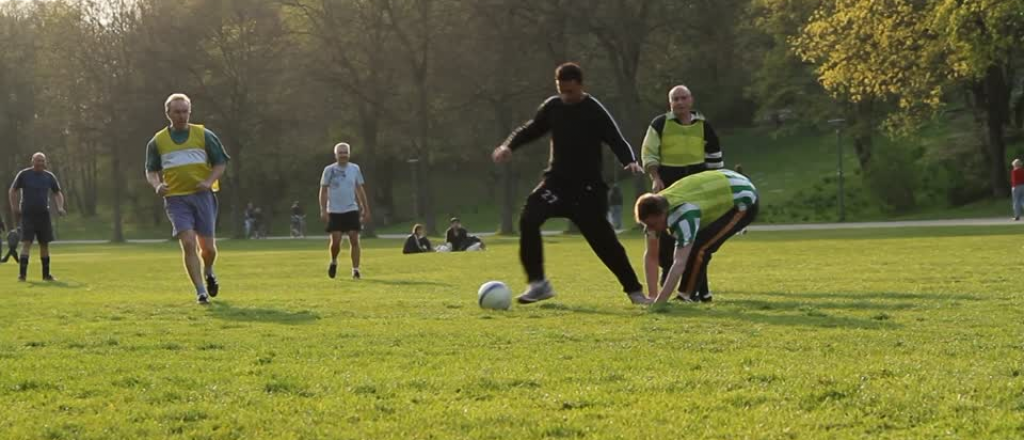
x=341, y=182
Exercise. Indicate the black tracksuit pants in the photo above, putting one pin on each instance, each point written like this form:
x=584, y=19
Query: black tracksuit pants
x=586, y=205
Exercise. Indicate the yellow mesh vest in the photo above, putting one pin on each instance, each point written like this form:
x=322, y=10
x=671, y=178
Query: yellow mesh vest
x=186, y=164
x=682, y=145
x=710, y=191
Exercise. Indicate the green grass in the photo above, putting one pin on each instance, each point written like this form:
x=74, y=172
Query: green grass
x=848, y=334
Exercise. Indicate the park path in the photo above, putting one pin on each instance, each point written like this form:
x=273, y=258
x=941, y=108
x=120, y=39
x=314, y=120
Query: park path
x=976, y=222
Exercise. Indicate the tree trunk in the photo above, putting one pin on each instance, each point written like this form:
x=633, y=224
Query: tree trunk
x=383, y=191
x=861, y=128
x=370, y=122
x=117, y=235
x=426, y=204
x=233, y=180
x=997, y=108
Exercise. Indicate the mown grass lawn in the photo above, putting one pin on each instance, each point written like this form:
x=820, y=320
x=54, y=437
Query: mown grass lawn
x=852, y=334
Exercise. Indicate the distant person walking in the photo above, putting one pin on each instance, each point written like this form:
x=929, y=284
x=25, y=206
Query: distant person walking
x=343, y=206
x=30, y=201
x=1017, y=185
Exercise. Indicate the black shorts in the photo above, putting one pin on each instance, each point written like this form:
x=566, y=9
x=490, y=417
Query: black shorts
x=346, y=222
x=36, y=227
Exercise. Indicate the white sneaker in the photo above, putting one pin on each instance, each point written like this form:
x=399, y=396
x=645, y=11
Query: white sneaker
x=639, y=298
x=536, y=292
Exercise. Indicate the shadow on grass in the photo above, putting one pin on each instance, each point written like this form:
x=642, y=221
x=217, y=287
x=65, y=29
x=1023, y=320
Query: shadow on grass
x=810, y=318
x=579, y=309
x=867, y=295
x=863, y=304
x=226, y=311
x=403, y=282
x=59, y=284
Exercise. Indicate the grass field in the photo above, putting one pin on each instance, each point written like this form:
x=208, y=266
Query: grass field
x=849, y=334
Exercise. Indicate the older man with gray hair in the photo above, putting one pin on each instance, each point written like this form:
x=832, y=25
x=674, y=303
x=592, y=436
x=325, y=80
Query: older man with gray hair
x=30, y=201
x=343, y=206
x=678, y=144
x=183, y=165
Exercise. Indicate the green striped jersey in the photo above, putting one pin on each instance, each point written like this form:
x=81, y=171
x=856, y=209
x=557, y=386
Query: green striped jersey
x=705, y=196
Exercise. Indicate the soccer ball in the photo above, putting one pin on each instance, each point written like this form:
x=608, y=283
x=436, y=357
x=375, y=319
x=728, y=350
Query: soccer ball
x=494, y=295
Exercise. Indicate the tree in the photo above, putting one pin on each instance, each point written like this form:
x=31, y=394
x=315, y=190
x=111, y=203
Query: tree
x=911, y=52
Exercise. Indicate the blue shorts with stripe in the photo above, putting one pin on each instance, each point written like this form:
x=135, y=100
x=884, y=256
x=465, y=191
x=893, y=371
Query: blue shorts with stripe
x=192, y=212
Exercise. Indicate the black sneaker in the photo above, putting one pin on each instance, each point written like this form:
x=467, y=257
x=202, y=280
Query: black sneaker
x=332, y=270
x=355, y=274
x=212, y=286
x=203, y=300
x=21, y=279
x=49, y=278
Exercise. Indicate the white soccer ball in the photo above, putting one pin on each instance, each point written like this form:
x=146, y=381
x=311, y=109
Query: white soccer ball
x=494, y=295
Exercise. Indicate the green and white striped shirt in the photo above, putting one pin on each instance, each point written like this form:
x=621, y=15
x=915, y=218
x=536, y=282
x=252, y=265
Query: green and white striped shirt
x=705, y=197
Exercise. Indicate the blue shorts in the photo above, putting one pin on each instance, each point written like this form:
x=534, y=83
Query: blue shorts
x=196, y=212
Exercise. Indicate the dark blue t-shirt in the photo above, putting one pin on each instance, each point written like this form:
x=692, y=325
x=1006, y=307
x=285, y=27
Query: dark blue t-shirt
x=35, y=189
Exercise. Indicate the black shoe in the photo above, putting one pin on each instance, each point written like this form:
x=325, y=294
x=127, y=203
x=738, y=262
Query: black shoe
x=212, y=286
x=21, y=279
x=203, y=300
x=355, y=274
x=332, y=270
x=49, y=278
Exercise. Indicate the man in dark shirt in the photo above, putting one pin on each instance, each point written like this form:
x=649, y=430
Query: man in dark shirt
x=30, y=201
x=572, y=186
x=459, y=237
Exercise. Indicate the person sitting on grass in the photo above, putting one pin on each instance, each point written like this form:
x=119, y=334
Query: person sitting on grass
x=417, y=242
x=460, y=240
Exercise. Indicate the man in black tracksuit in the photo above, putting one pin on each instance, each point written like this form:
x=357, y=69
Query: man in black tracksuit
x=572, y=186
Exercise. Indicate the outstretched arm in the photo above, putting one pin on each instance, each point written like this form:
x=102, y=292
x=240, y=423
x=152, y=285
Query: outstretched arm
x=528, y=132
x=675, y=273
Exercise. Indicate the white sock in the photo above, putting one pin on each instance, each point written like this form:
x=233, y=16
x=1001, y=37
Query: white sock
x=334, y=261
x=209, y=272
x=355, y=269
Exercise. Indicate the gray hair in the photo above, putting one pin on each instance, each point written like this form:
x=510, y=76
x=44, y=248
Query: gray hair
x=343, y=145
x=176, y=97
x=679, y=87
x=1017, y=163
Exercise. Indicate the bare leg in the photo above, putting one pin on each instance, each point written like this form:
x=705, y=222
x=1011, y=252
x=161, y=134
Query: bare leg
x=353, y=240
x=190, y=255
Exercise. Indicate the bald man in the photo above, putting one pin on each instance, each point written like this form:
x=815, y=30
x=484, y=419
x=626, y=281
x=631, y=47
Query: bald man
x=30, y=201
x=343, y=206
x=678, y=144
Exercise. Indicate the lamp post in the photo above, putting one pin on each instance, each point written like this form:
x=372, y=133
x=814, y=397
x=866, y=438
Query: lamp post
x=838, y=123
